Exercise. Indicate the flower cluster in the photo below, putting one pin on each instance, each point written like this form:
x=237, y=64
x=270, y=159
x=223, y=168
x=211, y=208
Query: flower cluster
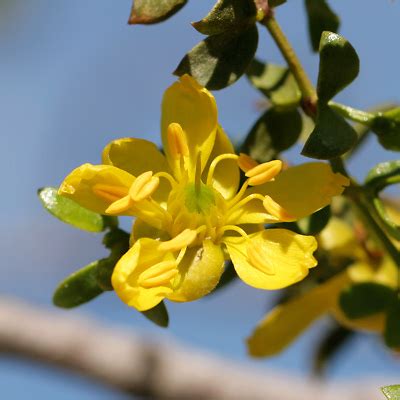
x=191, y=214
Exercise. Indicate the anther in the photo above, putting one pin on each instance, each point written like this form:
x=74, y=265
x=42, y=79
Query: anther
x=159, y=274
x=276, y=210
x=258, y=260
x=184, y=239
x=119, y=206
x=177, y=142
x=143, y=186
x=264, y=172
x=245, y=162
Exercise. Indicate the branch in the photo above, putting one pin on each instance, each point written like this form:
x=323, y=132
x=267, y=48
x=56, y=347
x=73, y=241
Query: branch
x=143, y=367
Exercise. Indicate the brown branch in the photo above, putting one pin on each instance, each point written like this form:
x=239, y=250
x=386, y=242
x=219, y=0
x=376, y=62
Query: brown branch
x=147, y=368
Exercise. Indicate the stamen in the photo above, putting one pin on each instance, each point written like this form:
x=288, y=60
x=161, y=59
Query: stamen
x=184, y=239
x=158, y=274
x=119, y=206
x=246, y=163
x=233, y=228
x=108, y=192
x=214, y=163
x=143, y=186
x=250, y=197
x=259, y=260
x=264, y=172
x=277, y=210
x=177, y=142
x=167, y=176
x=239, y=194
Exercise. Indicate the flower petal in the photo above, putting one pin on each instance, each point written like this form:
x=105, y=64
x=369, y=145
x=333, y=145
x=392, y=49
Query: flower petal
x=273, y=258
x=80, y=185
x=137, y=156
x=193, y=107
x=199, y=272
x=304, y=189
x=226, y=175
x=125, y=278
x=286, y=322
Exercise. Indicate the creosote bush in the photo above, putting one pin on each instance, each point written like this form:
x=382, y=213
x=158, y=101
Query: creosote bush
x=206, y=213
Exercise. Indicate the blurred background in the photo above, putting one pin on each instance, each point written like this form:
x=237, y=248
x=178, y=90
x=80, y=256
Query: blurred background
x=75, y=76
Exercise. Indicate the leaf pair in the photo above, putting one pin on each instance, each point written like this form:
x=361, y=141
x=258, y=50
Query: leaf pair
x=222, y=58
x=338, y=67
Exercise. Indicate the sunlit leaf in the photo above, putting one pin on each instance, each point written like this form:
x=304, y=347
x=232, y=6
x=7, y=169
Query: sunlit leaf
x=228, y=15
x=72, y=213
x=153, y=11
x=391, y=392
x=365, y=299
x=320, y=18
x=274, y=132
x=220, y=60
x=338, y=65
x=332, y=136
x=275, y=82
x=80, y=287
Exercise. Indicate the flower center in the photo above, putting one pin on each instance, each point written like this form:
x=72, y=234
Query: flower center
x=199, y=198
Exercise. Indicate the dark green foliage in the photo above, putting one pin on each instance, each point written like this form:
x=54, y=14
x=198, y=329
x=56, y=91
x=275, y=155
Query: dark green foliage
x=153, y=11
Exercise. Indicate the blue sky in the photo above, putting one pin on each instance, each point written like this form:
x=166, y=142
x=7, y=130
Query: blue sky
x=74, y=77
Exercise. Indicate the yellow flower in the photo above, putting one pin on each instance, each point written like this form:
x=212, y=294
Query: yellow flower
x=286, y=322
x=190, y=213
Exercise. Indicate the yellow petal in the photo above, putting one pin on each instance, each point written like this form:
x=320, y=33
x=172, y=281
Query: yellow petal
x=96, y=187
x=137, y=156
x=339, y=239
x=193, y=107
x=199, y=272
x=143, y=230
x=286, y=322
x=304, y=189
x=127, y=280
x=226, y=175
x=273, y=258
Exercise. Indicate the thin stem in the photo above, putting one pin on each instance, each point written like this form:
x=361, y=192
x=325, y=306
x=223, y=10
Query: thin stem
x=355, y=192
x=306, y=87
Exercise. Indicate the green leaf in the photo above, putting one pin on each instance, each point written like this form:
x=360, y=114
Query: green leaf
x=153, y=11
x=78, y=288
x=330, y=345
x=320, y=18
x=338, y=65
x=158, y=315
x=392, y=327
x=72, y=213
x=391, y=392
x=228, y=15
x=386, y=125
x=383, y=174
x=275, y=82
x=314, y=224
x=365, y=299
x=332, y=136
x=117, y=241
x=274, y=132
x=220, y=60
